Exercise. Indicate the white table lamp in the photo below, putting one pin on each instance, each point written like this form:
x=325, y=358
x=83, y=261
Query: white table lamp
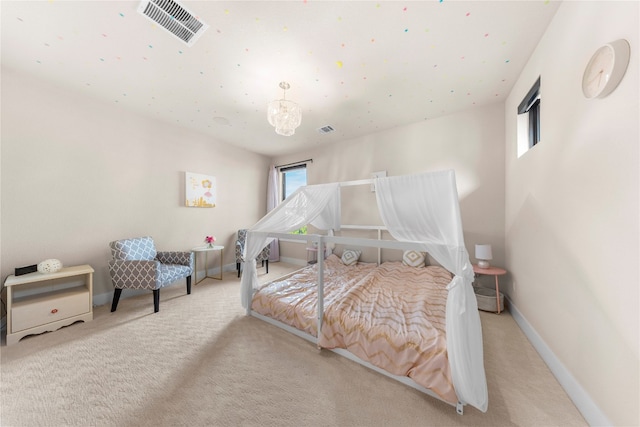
x=483, y=255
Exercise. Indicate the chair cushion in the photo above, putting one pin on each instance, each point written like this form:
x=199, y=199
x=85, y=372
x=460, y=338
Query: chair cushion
x=169, y=273
x=139, y=248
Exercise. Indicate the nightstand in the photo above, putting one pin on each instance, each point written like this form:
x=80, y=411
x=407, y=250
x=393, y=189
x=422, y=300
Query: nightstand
x=40, y=302
x=492, y=271
x=312, y=255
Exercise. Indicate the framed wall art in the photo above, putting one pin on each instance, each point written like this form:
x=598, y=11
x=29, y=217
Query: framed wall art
x=200, y=190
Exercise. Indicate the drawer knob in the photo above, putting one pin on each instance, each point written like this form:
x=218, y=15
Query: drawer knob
x=54, y=311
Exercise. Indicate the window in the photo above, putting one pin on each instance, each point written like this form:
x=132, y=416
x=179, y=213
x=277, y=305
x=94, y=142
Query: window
x=292, y=178
x=529, y=119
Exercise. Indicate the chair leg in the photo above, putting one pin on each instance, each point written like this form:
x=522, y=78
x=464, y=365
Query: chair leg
x=267, y=264
x=156, y=300
x=238, y=267
x=116, y=298
x=188, y=285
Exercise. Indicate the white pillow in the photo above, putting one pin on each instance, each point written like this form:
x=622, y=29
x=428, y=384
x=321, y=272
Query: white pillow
x=413, y=258
x=350, y=256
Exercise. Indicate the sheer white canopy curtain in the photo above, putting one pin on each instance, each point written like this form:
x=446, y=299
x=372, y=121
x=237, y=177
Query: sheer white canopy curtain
x=424, y=209
x=318, y=205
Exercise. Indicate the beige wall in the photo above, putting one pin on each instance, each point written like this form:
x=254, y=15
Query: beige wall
x=470, y=142
x=572, y=210
x=77, y=174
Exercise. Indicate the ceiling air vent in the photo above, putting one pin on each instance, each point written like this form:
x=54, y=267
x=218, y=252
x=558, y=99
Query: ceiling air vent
x=174, y=18
x=326, y=129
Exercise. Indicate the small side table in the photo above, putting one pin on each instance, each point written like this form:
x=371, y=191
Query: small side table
x=312, y=255
x=492, y=271
x=206, y=250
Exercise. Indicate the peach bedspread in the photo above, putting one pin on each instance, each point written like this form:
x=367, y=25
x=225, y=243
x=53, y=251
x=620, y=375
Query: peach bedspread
x=293, y=300
x=392, y=316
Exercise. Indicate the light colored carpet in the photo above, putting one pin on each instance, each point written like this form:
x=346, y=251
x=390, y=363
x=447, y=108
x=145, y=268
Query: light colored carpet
x=201, y=362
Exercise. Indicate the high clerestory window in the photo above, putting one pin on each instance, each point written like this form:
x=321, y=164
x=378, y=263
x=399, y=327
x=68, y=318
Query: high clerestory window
x=529, y=119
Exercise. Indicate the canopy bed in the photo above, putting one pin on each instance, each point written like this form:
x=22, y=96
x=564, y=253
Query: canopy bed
x=421, y=212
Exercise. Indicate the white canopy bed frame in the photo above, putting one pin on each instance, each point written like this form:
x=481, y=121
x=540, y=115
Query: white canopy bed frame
x=422, y=213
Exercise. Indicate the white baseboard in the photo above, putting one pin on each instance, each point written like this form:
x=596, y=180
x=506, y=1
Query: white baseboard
x=294, y=261
x=587, y=407
x=106, y=298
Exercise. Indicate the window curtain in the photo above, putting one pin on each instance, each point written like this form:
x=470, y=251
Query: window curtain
x=318, y=205
x=272, y=203
x=424, y=209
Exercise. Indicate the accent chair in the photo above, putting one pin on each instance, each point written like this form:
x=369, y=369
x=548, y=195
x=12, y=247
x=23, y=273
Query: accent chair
x=137, y=265
x=262, y=257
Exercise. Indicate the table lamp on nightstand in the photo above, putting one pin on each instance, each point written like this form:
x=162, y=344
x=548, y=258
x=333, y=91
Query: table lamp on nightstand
x=483, y=255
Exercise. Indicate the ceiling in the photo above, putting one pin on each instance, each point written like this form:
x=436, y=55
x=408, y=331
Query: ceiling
x=358, y=66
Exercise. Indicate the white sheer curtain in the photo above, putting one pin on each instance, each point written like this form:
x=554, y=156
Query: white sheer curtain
x=318, y=205
x=272, y=203
x=424, y=209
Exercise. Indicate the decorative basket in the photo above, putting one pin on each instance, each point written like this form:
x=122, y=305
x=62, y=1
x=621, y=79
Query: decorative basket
x=486, y=298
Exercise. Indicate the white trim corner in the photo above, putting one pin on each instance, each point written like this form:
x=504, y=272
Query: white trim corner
x=578, y=395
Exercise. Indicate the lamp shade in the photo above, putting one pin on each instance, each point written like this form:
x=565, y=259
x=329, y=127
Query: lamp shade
x=483, y=253
x=284, y=115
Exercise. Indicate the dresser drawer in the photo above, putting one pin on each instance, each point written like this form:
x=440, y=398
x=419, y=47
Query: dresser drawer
x=53, y=306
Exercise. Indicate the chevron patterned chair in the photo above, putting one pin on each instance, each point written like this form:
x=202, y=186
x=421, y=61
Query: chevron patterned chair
x=137, y=265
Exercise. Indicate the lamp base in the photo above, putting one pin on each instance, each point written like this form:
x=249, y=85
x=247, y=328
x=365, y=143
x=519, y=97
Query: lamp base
x=484, y=264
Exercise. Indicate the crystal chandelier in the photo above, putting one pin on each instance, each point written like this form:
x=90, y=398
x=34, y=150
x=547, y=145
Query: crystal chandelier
x=284, y=115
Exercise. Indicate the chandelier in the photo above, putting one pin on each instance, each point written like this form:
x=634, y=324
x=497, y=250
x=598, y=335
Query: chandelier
x=284, y=115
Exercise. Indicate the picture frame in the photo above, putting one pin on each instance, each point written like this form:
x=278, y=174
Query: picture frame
x=200, y=190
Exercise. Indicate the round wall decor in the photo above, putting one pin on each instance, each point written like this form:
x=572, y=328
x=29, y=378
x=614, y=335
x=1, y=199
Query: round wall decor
x=606, y=69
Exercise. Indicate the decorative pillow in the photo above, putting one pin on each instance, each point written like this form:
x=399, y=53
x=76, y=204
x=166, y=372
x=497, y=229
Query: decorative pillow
x=350, y=256
x=413, y=258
